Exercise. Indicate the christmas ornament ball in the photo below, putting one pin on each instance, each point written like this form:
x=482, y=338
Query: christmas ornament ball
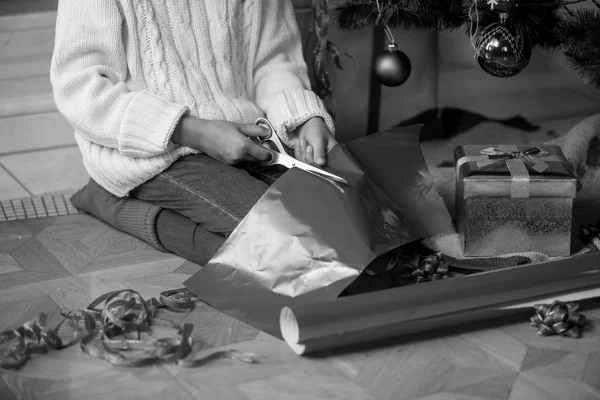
x=392, y=67
x=503, y=50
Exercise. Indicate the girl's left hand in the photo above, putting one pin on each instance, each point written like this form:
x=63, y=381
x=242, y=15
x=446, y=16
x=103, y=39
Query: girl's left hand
x=314, y=141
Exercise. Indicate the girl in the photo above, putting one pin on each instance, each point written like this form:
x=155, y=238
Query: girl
x=163, y=95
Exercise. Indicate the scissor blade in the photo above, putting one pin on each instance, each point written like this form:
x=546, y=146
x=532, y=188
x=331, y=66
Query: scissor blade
x=325, y=174
x=291, y=162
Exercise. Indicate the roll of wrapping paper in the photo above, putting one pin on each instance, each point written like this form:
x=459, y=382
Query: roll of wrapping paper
x=434, y=305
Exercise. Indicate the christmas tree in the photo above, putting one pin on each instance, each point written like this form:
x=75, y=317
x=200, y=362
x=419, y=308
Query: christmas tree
x=523, y=24
x=503, y=32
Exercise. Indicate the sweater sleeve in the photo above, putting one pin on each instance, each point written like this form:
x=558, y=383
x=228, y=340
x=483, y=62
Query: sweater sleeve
x=88, y=73
x=281, y=84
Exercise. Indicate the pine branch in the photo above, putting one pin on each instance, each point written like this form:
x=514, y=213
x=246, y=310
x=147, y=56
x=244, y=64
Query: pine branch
x=355, y=14
x=425, y=14
x=580, y=36
x=440, y=15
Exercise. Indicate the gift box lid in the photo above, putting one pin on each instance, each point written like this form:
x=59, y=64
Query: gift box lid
x=495, y=180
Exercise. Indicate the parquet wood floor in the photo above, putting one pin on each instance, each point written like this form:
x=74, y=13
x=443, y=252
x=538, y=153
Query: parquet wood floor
x=56, y=263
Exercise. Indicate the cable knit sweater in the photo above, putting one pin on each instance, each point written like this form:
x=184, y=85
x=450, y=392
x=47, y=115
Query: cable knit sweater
x=124, y=72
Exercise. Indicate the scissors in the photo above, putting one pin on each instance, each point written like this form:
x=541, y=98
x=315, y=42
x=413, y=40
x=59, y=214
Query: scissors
x=280, y=156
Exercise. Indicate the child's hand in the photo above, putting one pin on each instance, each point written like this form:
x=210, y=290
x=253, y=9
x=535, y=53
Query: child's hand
x=314, y=141
x=225, y=141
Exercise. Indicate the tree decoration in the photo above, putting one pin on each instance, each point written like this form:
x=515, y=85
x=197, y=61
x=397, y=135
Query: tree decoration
x=502, y=50
x=392, y=67
x=547, y=24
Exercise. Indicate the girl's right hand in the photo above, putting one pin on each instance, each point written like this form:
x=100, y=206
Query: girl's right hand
x=224, y=141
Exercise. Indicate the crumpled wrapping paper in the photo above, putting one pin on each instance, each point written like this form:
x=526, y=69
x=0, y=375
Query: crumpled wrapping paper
x=308, y=238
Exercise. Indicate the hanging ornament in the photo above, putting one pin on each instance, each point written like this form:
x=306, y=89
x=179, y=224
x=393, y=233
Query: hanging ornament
x=502, y=49
x=392, y=67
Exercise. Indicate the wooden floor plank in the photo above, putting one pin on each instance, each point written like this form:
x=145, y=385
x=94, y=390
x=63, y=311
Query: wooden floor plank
x=324, y=383
x=101, y=239
x=34, y=256
x=13, y=234
x=8, y=264
x=132, y=265
x=23, y=387
x=591, y=375
x=105, y=383
x=189, y=268
x=6, y=393
x=217, y=330
x=496, y=388
x=71, y=254
x=28, y=282
x=15, y=314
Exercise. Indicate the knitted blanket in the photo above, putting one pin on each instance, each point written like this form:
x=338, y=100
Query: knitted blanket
x=439, y=137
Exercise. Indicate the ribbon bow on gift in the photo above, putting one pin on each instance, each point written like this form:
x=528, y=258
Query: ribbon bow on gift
x=518, y=162
x=527, y=158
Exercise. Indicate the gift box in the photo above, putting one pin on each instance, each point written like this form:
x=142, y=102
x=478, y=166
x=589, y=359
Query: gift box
x=513, y=199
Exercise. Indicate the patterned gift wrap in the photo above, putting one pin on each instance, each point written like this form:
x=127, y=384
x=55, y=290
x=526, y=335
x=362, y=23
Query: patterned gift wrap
x=513, y=199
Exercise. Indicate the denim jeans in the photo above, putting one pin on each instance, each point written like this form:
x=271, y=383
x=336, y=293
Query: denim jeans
x=212, y=196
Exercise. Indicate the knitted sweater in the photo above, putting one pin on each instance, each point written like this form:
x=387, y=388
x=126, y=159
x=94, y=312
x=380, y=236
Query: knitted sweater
x=124, y=72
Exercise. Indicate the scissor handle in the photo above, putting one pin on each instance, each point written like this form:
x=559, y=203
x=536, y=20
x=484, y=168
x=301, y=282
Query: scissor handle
x=265, y=124
x=272, y=135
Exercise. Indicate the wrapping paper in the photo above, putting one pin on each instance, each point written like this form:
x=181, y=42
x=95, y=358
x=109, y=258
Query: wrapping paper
x=436, y=305
x=308, y=238
x=504, y=206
